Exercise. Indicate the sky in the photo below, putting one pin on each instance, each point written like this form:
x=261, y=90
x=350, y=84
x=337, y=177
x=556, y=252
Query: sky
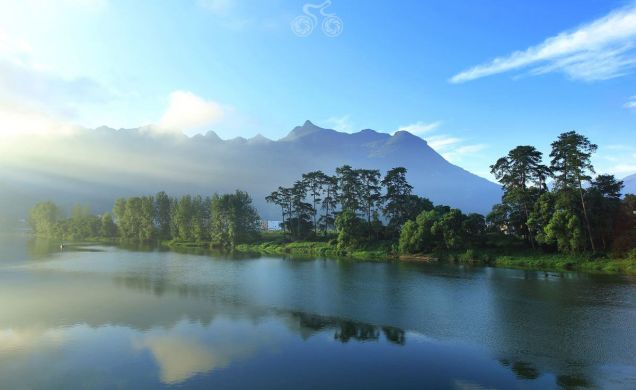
x=474, y=79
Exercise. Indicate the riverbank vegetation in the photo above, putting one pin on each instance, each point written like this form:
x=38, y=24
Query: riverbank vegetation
x=220, y=221
x=551, y=216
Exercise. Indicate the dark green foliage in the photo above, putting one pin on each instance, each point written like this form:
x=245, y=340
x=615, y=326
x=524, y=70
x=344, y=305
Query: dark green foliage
x=442, y=228
x=349, y=185
x=163, y=212
x=569, y=219
x=107, y=227
x=369, y=193
x=522, y=176
x=351, y=230
x=571, y=164
x=398, y=198
x=329, y=203
x=233, y=220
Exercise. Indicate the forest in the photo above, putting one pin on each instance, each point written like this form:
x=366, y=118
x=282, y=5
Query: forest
x=220, y=221
x=557, y=207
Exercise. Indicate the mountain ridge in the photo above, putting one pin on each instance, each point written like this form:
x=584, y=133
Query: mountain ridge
x=96, y=166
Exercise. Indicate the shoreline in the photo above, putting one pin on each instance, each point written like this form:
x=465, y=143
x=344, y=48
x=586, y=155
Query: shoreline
x=524, y=260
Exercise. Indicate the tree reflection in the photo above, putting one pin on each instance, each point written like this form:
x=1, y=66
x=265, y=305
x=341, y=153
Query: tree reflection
x=347, y=330
x=528, y=371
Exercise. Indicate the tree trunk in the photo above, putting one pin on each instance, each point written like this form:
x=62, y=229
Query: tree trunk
x=525, y=209
x=587, y=220
x=282, y=211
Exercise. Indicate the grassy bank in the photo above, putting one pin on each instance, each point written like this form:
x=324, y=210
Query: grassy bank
x=533, y=260
x=317, y=249
x=276, y=244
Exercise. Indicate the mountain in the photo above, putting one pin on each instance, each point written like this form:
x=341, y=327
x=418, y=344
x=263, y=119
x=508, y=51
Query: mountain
x=630, y=184
x=96, y=166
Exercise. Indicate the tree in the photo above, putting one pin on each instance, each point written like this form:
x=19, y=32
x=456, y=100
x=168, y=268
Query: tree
x=349, y=185
x=299, y=222
x=624, y=229
x=418, y=236
x=474, y=229
x=43, y=218
x=163, y=211
x=329, y=202
x=566, y=231
x=313, y=182
x=571, y=164
x=449, y=226
x=604, y=201
x=520, y=169
x=275, y=198
x=397, y=197
x=233, y=220
x=369, y=193
x=182, y=219
x=107, y=226
x=200, y=218
x=349, y=228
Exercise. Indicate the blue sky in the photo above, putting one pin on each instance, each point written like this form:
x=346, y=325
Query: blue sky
x=473, y=78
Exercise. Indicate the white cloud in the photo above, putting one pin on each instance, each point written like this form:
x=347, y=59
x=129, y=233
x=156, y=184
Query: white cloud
x=218, y=7
x=18, y=121
x=342, y=123
x=442, y=142
x=420, y=128
x=622, y=170
x=599, y=50
x=452, y=148
x=190, y=113
x=631, y=103
x=36, y=100
x=456, y=154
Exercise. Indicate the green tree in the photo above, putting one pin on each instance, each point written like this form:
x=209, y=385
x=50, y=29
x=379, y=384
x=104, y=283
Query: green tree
x=517, y=172
x=183, y=218
x=350, y=230
x=571, y=164
x=604, y=198
x=299, y=224
x=397, y=198
x=313, y=182
x=566, y=230
x=349, y=185
x=200, y=218
x=329, y=202
x=43, y=218
x=450, y=227
x=233, y=220
x=107, y=226
x=418, y=236
x=163, y=211
x=369, y=193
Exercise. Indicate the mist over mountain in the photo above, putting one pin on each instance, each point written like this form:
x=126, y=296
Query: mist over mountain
x=96, y=166
x=630, y=184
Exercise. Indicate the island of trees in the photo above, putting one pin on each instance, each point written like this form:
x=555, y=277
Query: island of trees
x=557, y=208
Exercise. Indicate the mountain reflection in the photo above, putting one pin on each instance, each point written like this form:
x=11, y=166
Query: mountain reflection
x=152, y=319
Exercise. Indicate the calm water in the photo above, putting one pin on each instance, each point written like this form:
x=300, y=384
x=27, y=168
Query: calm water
x=104, y=317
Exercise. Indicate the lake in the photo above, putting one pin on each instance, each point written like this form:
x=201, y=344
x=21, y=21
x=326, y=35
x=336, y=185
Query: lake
x=106, y=317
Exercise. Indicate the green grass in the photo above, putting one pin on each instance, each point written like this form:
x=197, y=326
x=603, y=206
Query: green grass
x=276, y=243
x=535, y=260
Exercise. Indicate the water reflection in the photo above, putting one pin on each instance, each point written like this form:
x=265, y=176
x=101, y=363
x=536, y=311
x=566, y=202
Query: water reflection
x=146, y=319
